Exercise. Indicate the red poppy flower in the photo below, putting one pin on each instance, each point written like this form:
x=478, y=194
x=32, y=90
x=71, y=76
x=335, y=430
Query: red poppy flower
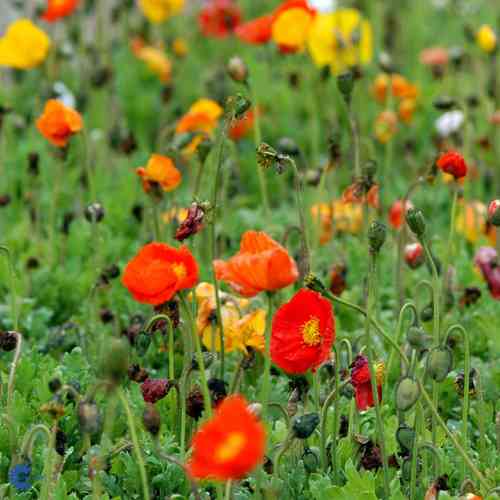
x=453, y=163
x=261, y=265
x=57, y=9
x=414, y=255
x=397, y=213
x=360, y=380
x=158, y=272
x=241, y=127
x=257, y=31
x=230, y=445
x=219, y=18
x=303, y=332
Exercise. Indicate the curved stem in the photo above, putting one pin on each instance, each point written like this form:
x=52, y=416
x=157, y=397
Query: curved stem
x=435, y=453
x=282, y=410
x=283, y=449
x=30, y=438
x=47, y=469
x=13, y=367
x=135, y=441
x=465, y=409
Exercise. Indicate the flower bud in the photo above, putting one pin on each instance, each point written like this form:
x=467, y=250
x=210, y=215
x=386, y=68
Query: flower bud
x=89, y=417
x=94, y=213
x=8, y=341
x=376, y=236
x=460, y=382
x=137, y=374
x=237, y=69
x=241, y=106
x=427, y=313
x=494, y=212
x=310, y=458
x=288, y=146
x=115, y=360
x=314, y=283
x=218, y=390
x=54, y=384
x=256, y=409
x=414, y=255
x=439, y=363
x=155, y=389
x=369, y=169
x=345, y=84
x=405, y=436
x=416, y=337
x=195, y=403
x=151, y=419
x=416, y=222
x=305, y=425
x=60, y=442
x=407, y=393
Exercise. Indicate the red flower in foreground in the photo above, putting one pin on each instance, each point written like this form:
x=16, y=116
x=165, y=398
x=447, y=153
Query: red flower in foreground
x=397, y=213
x=256, y=32
x=158, y=272
x=261, y=265
x=219, y=18
x=57, y=9
x=303, y=332
x=360, y=380
x=453, y=163
x=230, y=445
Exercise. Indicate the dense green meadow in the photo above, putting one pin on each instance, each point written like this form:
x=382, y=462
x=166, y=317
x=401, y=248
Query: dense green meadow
x=331, y=133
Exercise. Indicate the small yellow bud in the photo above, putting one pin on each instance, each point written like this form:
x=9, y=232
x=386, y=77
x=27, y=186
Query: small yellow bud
x=486, y=38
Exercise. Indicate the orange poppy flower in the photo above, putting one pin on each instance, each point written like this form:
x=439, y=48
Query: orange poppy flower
x=58, y=123
x=161, y=171
x=230, y=445
x=56, y=9
x=397, y=213
x=257, y=31
x=261, y=265
x=303, y=332
x=158, y=272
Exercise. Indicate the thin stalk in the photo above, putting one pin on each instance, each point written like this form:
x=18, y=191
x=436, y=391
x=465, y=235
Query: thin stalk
x=47, y=470
x=266, y=382
x=481, y=422
x=283, y=449
x=156, y=220
x=13, y=291
x=475, y=471
x=418, y=422
x=12, y=372
x=448, y=257
x=135, y=441
x=372, y=272
x=227, y=494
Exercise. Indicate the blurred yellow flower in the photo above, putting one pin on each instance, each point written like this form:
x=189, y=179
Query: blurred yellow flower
x=340, y=40
x=158, y=11
x=471, y=222
x=291, y=27
x=180, y=47
x=155, y=59
x=177, y=214
x=24, y=46
x=486, y=38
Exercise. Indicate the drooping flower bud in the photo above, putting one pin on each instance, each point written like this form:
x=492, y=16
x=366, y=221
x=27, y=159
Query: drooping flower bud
x=494, y=212
x=314, y=283
x=151, y=419
x=237, y=69
x=193, y=223
x=439, y=363
x=414, y=255
x=195, y=403
x=310, y=458
x=305, y=425
x=54, y=385
x=377, y=233
x=137, y=374
x=416, y=337
x=8, y=341
x=416, y=222
x=94, y=213
x=345, y=84
x=405, y=436
x=89, y=417
x=155, y=389
x=407, y=393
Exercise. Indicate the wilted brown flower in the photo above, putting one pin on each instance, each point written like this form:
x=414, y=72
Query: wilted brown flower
x=193, y=223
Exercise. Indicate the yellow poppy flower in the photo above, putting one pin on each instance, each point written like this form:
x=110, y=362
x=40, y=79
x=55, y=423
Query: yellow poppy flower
x=486, y=38
x=291, y=28
x=249, y=331
x=340, y=40
x=158, y=11
x=24, y=46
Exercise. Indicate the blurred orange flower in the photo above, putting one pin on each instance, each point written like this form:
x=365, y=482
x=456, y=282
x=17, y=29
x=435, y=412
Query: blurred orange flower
x=261, y=265
x=257, y=31
x=230, y=445
x=56, y=9
x=58, y=123
x=241, y=127
x=161, y=171
x=158, y=272
x=386, y=126
x=154, y=58
x=396, y=84
x=219, y=18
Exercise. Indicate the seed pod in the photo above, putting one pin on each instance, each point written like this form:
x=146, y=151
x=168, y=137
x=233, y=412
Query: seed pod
x=155, y=389
x=310, y=457
x=195, y=403
x=151, y=419
x=377, y=234
x=345, y=84
x=416, y=221
x=237, y=69
x=407, y=393
x=439, y=363
x=416, y=336
x=427, y=313
x=305, y=425
x=405, y=436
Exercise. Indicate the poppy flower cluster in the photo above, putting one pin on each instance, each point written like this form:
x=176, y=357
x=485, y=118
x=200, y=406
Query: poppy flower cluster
x=158, y=272
x=229, y=445
x=243, y=325
x=303, y=332
x=23, y=46
x=57, y=9
x=261, y=265
x=58, y=123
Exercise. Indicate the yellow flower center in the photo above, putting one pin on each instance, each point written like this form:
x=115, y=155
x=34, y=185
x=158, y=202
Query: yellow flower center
x=310, y=332
x=230, y=447
x=179, y=270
